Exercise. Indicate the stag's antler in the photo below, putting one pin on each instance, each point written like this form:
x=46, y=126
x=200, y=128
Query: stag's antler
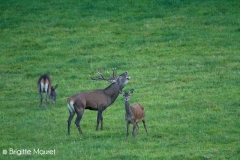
x=114, y=74
x=111, y=79
x=100, y=77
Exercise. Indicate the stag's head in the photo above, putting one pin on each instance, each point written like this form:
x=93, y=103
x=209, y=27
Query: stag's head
x=123, y=79
x=53, y=94
x=120, y=80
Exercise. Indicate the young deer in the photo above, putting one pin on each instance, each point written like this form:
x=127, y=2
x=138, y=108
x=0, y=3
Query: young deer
x=45, y=85
x=97, y=100
x=134, y=114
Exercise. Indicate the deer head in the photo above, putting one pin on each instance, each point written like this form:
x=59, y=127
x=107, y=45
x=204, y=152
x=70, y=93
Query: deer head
x=126, y=96
x=53, y=94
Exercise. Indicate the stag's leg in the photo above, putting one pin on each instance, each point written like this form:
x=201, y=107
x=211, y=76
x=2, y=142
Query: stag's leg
x=99, y=119
x=70, y=120
x=79, y=111
x=127, y=130
x=77, y=122
x=101, y=122
x=145, y=126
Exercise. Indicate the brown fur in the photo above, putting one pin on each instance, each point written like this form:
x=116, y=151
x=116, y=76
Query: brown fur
x=138, y=112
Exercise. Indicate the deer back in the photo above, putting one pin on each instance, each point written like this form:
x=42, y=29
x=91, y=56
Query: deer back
x=88, y=100
x=137, y=112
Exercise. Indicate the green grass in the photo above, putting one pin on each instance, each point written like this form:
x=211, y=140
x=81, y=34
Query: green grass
x=182, y=56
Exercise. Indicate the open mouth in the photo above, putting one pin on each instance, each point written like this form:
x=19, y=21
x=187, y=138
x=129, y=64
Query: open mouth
x=127, y=77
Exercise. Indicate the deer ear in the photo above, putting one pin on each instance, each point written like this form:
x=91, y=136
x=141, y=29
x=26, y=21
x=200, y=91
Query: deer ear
x=121, y=92
x=56, y=86
x=131, y=91
x=113, y=81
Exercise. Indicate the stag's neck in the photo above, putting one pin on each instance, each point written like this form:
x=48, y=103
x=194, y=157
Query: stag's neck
x=112, y=92
x=127, y=108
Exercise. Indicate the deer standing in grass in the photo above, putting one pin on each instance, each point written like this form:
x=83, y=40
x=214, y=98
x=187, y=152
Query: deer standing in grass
x=134, y=114
x=97, y=100
x=45, y=85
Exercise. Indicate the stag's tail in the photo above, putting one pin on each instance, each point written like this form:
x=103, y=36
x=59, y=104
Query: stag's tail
x=70, y=104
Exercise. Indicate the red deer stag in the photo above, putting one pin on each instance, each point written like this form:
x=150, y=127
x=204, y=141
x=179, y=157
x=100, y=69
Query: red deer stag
x=97, y=100
x=134, y=114
x=45, y=85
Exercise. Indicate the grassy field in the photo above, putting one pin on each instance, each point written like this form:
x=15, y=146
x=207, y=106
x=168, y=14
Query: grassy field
x=183, y=58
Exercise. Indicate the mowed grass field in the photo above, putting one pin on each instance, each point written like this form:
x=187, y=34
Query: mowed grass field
x=183, y=58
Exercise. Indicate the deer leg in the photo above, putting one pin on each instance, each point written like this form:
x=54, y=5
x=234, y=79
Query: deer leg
x=101, y=122
x=77, y=122
x=70, y=120
x=49, y=97
x=135, y=130
x=47, y=94
x=46, y=100
x=127, y=130
x=145, y=126
x=41, y=98
x=137, y=125
x=99, y=118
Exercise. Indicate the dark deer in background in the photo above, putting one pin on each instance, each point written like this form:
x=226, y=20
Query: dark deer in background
x=134, y=114
x=45, y=85
x=97, y=100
